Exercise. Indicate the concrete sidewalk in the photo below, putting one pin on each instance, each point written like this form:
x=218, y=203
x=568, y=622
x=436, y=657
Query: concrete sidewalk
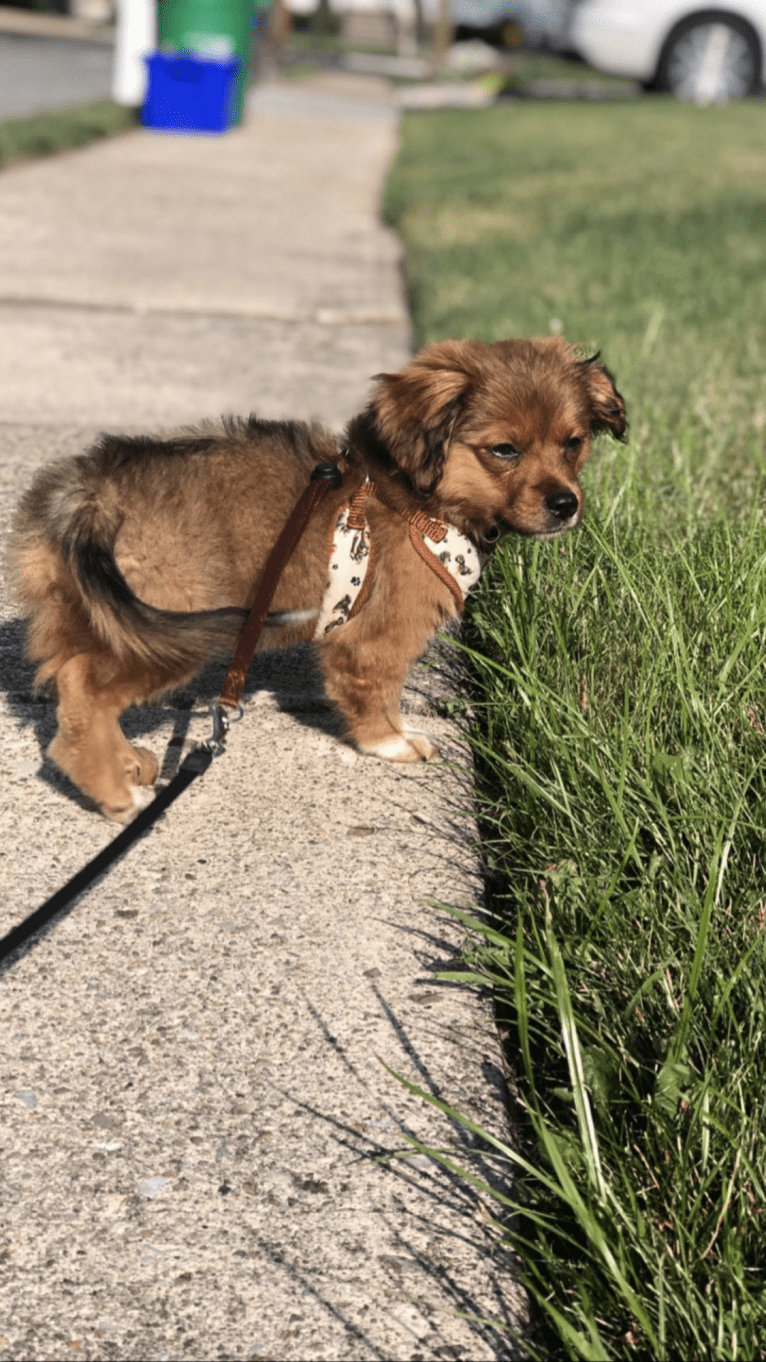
x=194, y=1102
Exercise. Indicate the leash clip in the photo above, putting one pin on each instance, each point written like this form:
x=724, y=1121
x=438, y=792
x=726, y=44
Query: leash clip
x=221, y=717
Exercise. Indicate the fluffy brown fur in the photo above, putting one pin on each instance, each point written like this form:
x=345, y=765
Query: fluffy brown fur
x=133, y=561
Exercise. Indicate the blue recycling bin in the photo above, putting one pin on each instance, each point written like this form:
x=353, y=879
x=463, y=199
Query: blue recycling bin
x=187, y=93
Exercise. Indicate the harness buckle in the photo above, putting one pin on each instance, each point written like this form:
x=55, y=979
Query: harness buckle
x=328, y=472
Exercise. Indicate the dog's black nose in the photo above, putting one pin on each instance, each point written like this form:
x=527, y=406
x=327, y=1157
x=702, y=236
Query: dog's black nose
x=562, y=504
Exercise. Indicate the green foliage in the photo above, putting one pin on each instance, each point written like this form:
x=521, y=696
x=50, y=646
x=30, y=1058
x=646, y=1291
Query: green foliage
x=621, y=739
x=45, y=133
x=620, y=727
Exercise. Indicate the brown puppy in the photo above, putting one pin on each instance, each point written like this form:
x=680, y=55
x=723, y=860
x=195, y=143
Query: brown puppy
x=133, y=562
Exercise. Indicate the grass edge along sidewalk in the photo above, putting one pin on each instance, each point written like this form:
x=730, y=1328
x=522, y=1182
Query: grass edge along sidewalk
x=620, y=719
x=45, y=134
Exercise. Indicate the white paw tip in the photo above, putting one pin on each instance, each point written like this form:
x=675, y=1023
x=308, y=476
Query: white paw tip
x=395, y=748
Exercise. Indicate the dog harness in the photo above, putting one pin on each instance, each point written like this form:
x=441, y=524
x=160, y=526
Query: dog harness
x=451, y=555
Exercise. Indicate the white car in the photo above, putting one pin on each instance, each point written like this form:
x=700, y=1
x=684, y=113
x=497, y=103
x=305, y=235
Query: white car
x=708, y=54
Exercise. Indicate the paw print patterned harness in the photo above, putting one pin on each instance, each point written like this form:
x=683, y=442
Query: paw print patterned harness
x=450, y=555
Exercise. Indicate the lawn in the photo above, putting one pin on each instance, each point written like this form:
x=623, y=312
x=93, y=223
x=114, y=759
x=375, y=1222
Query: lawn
x=44, y=134
x=619, y=722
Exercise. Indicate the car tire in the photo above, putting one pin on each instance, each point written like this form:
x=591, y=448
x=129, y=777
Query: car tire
x=710, y=58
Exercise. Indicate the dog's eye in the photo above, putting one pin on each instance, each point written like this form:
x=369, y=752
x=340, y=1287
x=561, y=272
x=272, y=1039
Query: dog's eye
x=573, y=444
x=505, y=452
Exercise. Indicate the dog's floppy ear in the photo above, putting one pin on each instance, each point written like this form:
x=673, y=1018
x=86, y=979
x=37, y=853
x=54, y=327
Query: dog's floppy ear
x=416, y=410
x=607, y=408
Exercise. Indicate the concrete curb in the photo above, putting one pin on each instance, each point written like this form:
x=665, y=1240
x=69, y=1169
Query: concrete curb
x=204, y=1153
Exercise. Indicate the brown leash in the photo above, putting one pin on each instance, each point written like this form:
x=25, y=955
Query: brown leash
x=196, y=762
x=324, y=476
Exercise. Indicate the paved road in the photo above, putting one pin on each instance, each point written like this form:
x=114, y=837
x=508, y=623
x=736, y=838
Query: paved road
x=203, y=1154
x=50, y=73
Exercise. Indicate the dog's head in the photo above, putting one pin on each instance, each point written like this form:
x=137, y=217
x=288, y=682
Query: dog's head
x=494, y=436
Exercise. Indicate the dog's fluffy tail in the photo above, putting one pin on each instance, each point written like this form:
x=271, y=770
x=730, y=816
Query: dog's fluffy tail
x=128, y=625
x=63, y=551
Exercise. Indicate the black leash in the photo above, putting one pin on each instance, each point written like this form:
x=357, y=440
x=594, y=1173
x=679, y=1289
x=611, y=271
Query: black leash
x=324, y=476
x=193, y=765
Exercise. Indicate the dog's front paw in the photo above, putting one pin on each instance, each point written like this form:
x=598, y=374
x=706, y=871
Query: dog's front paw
x=422, y=744
x=140, y=797
x=407, y=746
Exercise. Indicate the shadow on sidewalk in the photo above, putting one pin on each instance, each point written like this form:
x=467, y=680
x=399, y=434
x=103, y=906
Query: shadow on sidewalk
x=290, y=676
x=454, y=1208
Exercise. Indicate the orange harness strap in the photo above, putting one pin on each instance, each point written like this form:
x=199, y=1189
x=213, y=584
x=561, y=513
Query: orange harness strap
x=421, y=527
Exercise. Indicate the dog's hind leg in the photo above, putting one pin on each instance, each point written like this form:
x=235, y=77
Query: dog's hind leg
x=90, y=746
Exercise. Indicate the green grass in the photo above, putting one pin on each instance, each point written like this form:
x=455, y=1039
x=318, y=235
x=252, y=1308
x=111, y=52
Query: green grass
x=46, y=133
x=620, y=716
x=525, y=66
